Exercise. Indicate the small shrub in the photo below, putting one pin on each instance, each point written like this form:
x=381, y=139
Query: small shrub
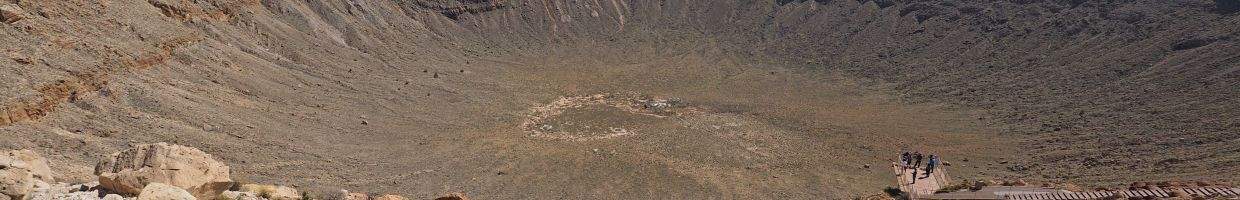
x=955, y=187
x=236, y=186
x=978, y=185
x=306, y=196
x=265, y=193
x=893, y=191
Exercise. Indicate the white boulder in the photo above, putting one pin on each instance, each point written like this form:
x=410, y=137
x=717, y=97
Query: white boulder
x=160, y=191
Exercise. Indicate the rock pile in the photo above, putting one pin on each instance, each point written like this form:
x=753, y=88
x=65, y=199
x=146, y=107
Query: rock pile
x=145, y=172
x=130, y=171
x=21, y=172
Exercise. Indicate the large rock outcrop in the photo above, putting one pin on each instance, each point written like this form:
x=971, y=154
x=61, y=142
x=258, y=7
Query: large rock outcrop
x=128, y=172
x=21, y=171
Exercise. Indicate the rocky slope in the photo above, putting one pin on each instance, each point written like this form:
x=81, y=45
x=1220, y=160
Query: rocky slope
x=1147, y=88
x=147, y=172
x=784, y=98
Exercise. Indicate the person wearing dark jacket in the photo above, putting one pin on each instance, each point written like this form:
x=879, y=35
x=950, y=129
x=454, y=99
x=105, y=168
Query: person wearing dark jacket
x=917, y=160
x=914, y=176
x=905, y=160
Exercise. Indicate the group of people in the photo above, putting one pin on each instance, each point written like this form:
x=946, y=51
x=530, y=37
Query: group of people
x=913, y=161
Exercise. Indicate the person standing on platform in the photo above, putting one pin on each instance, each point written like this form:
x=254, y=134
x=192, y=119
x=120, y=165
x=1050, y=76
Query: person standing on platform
x=930, y=164
x=905, y=159
x=917, y=160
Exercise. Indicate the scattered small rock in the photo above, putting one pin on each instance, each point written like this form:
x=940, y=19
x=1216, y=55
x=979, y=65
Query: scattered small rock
x=239, y=195
x=83, y=195
x=1017, y=168
x=65, y=191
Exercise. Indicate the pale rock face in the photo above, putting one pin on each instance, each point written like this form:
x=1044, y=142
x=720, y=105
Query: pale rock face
x=239, y=195
x=272, y=192
x=21, y=171
x=10, y=13
x=15, y=183
x=113, y=197
x=160, y=191
x=129, y=171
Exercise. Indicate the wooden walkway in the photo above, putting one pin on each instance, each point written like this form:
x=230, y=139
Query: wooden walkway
x=1160, y=193
x=924, y=187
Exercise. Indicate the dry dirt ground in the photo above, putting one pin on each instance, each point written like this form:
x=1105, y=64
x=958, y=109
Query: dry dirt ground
x=630, y=98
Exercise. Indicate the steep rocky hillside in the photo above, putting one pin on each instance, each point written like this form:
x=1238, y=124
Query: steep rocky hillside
x=1145, y=88
x=535, y=98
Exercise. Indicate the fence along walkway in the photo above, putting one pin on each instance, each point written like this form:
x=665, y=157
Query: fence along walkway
x=1159, y=193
